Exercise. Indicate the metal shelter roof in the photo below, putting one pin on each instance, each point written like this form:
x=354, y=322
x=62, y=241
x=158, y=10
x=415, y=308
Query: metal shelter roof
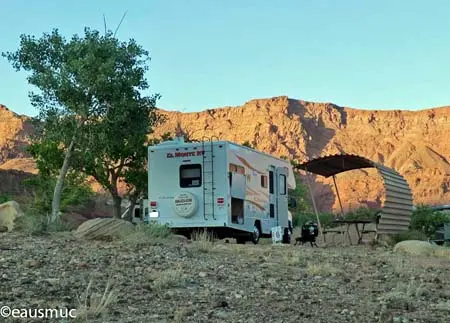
x=398, y=205
x=331, y=165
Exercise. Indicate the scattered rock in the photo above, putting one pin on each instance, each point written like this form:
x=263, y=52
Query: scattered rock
x=103, y=229
x=156, y=283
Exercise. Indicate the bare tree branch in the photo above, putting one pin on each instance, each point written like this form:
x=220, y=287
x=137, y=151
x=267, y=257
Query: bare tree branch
x=120, y=23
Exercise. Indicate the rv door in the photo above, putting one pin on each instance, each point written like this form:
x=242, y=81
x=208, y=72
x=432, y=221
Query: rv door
x=282, y=196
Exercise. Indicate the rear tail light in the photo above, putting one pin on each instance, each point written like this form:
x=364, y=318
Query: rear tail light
x=153, y=204
x=220, y=200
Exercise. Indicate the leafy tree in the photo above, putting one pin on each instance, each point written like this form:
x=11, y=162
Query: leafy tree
x=49, y=159
x=136, y=178
x=90, y=103
x=247, y=144
x=300, y=194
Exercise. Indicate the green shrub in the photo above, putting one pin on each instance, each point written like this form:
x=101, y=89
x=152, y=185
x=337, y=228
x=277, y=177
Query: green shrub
x=4, y=199
x=408, y=235
x=154, y=230
x=427, y=220
x=145, y=234
x=300, y=195
x=34, y=224
x=75, y=192
x=361, y=213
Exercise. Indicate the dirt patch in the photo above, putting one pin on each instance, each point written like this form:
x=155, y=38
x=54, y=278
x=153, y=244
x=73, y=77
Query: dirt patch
x=176, y=281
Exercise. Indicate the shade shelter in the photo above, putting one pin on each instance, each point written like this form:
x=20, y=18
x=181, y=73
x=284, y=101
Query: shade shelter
x=398, y=205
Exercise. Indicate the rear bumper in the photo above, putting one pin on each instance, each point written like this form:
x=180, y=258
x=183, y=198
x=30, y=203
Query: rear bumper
x=186, y=224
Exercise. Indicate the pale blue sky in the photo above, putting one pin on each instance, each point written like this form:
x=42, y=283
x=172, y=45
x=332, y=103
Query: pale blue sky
x=376, y=54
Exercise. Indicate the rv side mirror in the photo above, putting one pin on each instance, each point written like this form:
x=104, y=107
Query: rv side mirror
x=292, y=203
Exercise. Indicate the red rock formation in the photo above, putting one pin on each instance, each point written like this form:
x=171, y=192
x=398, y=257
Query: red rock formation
x=414, y=143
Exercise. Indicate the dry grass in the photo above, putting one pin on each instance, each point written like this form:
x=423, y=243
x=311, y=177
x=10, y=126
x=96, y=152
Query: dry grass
x=203, y=241
x=181, y=315
x=294, y=258
x=93, y=305
x=168, y=279
x=145, y=234
x=401, y=265
x=321, y=269
x=402, y=297
x=442, y=252
x=443, y=306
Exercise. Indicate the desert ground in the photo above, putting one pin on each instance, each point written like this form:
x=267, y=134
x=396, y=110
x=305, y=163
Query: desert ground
x=176, y=280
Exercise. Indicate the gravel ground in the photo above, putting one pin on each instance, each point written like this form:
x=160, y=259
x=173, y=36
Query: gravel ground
x=179, y=281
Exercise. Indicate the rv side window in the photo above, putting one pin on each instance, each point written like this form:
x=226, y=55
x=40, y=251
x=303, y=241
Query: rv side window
x=264, y=181
x=191, y=175
x=270, y=182
x=282, y=184
x=272, y=210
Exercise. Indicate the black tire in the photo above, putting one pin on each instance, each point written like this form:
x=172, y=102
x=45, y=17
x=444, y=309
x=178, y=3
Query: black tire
x=256, y=234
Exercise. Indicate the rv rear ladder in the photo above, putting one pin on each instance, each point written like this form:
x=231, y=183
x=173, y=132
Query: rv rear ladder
x=208, y=178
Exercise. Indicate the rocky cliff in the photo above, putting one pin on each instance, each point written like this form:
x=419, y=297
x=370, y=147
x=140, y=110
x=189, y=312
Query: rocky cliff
x=14, y=131
x=413, y=143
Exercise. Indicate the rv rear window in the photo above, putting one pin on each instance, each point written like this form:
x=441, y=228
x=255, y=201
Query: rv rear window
x=191, y=175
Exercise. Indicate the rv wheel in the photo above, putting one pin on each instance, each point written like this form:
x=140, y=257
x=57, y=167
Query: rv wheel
x=256, y=234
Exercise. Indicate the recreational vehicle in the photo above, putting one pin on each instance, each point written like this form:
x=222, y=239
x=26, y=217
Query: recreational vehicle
x=229, y=189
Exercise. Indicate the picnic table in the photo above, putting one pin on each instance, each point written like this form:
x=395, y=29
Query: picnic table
x=348, y=224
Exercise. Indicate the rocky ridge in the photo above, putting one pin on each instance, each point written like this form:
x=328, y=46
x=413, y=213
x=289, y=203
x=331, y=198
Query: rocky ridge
x=412, y=142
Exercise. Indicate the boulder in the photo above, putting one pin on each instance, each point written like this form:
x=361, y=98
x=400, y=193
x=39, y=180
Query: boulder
x=9, y=212
x=415, y=247
x=103, y=229
x=178, y=238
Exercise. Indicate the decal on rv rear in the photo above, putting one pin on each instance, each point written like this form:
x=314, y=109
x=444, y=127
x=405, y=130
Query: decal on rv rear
x=184, y=154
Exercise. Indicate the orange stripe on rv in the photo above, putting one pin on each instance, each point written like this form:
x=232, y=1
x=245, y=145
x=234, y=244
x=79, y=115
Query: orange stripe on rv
x=246, y=163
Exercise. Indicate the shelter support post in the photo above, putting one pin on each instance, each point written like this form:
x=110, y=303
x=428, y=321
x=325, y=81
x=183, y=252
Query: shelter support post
x=338, y=196
x=310, y=189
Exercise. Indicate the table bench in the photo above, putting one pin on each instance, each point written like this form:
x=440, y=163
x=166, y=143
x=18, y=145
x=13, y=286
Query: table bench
x=348, y=224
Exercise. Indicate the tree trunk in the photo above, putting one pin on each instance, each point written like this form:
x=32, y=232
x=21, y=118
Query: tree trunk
x=56, y=201
x=117, y=205
x=130, y=213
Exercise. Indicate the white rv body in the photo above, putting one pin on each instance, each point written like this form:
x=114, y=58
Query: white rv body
x=218, y=185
